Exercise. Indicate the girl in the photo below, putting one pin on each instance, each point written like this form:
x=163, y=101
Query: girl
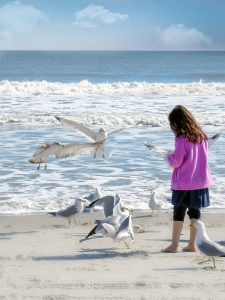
x=191, y=174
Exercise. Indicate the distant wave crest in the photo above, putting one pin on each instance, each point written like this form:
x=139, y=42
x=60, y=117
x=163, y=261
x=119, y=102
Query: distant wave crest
x=138, y=120
x=84, y=87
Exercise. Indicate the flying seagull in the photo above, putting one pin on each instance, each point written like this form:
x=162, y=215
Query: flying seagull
x=207, y=246
x=95, y=136
x=163, y=153
x=60, y=151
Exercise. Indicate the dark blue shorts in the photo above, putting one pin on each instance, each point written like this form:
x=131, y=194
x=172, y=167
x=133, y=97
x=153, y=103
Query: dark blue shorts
x=191, y=199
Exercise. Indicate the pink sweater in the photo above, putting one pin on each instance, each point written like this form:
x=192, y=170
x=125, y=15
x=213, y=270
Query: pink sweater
x=190, y=165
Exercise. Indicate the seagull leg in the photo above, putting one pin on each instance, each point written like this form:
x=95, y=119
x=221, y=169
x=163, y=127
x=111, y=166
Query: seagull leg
x=214, y=262
x=38, y=167
x=203, y=261
x=75, y=222
x=46, y=166
x=127, y=245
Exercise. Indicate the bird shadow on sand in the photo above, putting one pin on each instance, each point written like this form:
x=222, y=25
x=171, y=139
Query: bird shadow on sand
x=176, y=269
x=142, y=216
x=95, y=254
x=9, y=235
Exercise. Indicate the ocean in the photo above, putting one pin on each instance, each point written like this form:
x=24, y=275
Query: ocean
x=135, y=90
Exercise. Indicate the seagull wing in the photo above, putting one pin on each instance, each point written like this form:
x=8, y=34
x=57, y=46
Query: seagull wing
x=80, y=127
x=43, y=152
x=214, y=138
x=123, y=231
x=211, y=248
x=67, y=212
x=115, y=131
x=70, y=150
x=110, y=229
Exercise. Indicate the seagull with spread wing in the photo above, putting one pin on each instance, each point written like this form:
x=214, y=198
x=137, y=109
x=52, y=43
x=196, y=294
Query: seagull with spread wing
x=100, y=136
x=60, y=151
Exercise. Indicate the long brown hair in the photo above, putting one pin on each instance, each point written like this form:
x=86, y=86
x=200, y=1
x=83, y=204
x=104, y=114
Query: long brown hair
x=182, y=122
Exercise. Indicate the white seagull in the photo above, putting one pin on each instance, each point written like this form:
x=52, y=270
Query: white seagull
x=71, y=211
x=108, y=203
x=153, y=203
x=115, y=220
x=61, y=151
x=163, y=153
x=124, y=231
x=207, y=246
x=100, y=136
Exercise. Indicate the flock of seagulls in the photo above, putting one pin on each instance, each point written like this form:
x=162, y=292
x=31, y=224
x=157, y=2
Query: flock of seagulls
x=117, y=222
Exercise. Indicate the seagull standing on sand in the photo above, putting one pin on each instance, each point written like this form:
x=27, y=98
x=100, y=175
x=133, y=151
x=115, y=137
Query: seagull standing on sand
x=100, y=136
x=153, y=203
x=71, y=211
x=207, y=246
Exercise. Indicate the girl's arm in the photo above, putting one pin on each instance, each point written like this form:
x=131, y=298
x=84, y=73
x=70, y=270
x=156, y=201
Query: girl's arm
x=176, y=158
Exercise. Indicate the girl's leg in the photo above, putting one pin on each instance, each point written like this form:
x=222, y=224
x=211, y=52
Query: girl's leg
x=194, y=215
x=191, y=247
x=177, y=229
x=178, y=220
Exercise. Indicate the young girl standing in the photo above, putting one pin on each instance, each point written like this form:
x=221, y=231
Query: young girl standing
x=191, y=174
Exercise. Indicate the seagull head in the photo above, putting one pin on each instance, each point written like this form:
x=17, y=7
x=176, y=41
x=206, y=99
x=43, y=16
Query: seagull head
x=201, y=231
x=81, y=200
x=102, y=130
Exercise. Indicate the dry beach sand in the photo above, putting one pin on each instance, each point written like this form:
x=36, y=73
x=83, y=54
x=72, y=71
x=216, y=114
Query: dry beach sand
x=40, y=258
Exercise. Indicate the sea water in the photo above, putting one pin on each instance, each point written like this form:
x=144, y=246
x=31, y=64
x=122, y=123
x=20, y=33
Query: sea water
x=134, y=90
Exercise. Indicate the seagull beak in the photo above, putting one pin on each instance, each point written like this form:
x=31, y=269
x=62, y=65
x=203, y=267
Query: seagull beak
x=82, y=200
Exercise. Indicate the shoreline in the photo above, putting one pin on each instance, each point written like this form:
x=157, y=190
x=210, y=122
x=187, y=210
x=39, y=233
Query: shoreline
x=41, y=258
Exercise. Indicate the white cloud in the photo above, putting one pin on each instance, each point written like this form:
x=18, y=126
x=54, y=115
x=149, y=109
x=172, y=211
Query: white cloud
x=94, y=15
x=179, y=37
x=16, y=18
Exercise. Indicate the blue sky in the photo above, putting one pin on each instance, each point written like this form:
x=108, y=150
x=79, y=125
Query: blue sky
x=112, y=25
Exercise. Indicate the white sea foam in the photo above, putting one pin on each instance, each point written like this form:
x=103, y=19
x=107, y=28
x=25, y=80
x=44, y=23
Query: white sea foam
x=84, y=87
x=27, y=120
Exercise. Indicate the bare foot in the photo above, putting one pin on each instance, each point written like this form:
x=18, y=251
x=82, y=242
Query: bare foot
x=170, y=249
x=189, y=249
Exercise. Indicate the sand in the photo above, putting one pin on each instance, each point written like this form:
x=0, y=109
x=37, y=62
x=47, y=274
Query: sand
x=41, y=258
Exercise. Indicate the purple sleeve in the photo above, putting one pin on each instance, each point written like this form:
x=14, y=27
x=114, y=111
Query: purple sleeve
x=176, y=158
